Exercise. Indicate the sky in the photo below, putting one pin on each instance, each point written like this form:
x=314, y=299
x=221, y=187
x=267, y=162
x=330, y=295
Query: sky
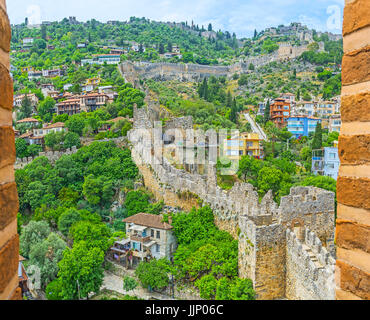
x=239, y=16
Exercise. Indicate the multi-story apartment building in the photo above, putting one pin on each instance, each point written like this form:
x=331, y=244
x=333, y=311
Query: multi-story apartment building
x=70, y=106
x=109, y=91
x=261, y=109
x=27, y=69
x=326, y=162
x=280, y=112
x=34, y=75
x=52, y=73
x=335, y=123
x=301, y=126
x=83, y=103
x=148, y=237
x=102, y=58
x=54, y=127
x=288, y=96
x=17, y=100
x=91, y=102
x=305, y=108
x=47, y=89
x=242, y=145
x=67, y=86
x=325, y=109
x=337, y=102
x=36, y=136
x=28, y=42
x=91, y=84
x=109, y=58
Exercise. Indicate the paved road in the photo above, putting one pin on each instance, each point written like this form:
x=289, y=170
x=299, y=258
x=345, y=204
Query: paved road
x=255, y=126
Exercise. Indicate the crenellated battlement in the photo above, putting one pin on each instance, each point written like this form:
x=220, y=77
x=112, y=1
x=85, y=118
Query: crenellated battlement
x=51, y=155
x=309, y=268
x=261, y=226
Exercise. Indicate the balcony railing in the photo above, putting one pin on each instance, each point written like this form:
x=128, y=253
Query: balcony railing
x=140, y=238
x=139, y=254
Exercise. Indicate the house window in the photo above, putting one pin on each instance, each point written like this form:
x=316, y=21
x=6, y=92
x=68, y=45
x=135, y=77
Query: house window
x=152, y=233
x=232, y=152
x=232, y=143
x=158, y=234
x=157, y=247
x=331, y=155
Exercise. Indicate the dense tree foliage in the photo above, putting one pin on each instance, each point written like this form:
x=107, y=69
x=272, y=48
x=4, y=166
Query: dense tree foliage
x=154, y=274
x=80, y=271
x=205, y=254
x=46, y=255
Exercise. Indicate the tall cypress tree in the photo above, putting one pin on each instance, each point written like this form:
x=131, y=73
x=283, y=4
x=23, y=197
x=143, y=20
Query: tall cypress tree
x=317, y=138
x=161, y=48
x=43, y=32
x=234, y=112
x=200, y=89
x=229, y=100
x=267, y=112
x=205, y=89
x=26, y=107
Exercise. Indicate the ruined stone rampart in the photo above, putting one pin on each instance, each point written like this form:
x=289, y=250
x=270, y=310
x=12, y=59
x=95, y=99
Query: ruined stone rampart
x=52, y=156
x=260, y=226
x=309, y=268
x=164, y=71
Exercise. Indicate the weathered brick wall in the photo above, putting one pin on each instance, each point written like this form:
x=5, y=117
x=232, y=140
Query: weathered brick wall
x=353, y=187
x=9, y=242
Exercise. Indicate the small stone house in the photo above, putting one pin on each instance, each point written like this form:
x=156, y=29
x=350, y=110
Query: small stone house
x=150, y=237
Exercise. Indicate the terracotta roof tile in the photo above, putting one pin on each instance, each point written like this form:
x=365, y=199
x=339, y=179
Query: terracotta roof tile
x=55, y=125
x=148, y=220
x=26, y=135
x=28, y=120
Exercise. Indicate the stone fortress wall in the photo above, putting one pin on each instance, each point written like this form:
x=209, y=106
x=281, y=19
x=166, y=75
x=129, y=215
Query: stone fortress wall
x=164, y=71
x=266, y=254
x=9, y=240
x=306, y=260
x=53, y=156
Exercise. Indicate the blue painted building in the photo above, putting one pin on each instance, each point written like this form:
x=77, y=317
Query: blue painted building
x=326, y=162
x=302, y=125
